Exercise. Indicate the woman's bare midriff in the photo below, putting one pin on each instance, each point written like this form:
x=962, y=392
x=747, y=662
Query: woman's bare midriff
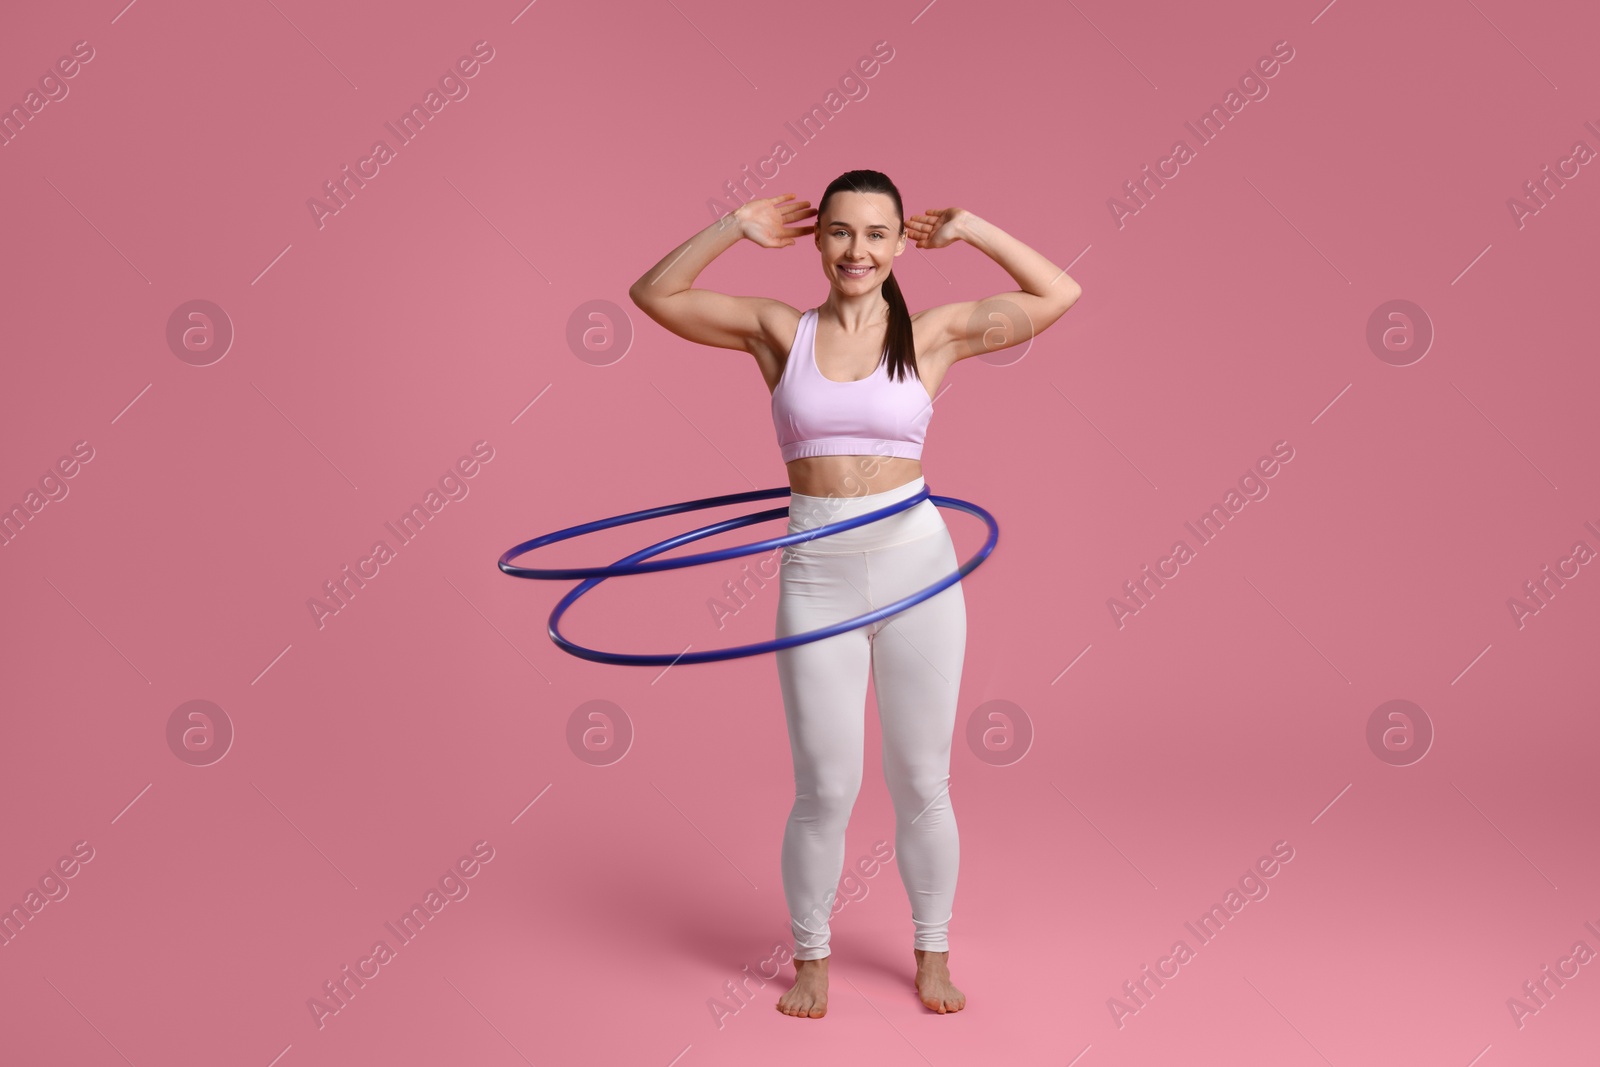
x=848, y=476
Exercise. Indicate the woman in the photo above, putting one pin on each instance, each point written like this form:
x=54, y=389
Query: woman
x=852, y=385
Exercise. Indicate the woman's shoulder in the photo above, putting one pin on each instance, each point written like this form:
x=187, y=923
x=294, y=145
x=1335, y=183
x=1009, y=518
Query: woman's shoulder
x=778, y=322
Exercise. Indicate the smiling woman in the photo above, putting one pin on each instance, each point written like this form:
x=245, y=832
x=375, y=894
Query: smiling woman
x=852, y=383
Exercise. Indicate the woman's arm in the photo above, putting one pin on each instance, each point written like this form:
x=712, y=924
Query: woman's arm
x=705, y=316
x=972, y=327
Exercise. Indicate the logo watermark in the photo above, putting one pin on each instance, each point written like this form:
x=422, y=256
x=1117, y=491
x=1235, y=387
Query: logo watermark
x=599, y=732
x=1137, y=592
x=452, y=484
x=1252, y=886
x=999, y=732
x=1399, y=332
x=52, y=90
x=737, y=992
x=199, y=332
x=1537, y=994
x=52, y=488
x=337, y=993
x=52, y=889
x=1399, y=732
x=1538, y=592
x=1538, y=191
x=1212, y=123
x=780, y=154
x=414, y=120
x=199, y=732
x=739, y=594
x=599, y=332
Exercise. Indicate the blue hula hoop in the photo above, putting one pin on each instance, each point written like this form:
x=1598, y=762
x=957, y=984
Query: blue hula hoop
x=632, y=564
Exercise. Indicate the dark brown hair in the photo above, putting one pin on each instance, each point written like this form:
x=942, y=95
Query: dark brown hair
x=902, y=346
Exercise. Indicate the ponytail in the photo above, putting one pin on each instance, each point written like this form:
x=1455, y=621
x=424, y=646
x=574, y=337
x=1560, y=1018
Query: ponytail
x=901, y=344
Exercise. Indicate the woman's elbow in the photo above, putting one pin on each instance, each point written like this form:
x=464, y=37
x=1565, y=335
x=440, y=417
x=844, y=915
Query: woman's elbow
x=639, y=293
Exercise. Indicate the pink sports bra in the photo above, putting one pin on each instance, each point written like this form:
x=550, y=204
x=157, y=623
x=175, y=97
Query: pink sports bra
x=817, y=416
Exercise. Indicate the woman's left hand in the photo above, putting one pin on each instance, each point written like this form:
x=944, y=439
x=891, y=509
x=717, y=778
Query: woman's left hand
x=935, y=229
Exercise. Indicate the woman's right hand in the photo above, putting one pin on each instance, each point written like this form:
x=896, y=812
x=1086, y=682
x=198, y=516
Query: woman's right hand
x=768, y=222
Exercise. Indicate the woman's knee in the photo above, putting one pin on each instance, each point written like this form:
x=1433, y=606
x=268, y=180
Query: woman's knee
x=831, y=795
x=915, y=792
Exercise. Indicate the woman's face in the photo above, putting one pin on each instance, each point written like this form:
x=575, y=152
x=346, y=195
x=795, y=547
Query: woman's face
x=859, y=236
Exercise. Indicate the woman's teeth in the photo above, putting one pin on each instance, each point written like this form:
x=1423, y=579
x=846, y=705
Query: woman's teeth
x=856, y=272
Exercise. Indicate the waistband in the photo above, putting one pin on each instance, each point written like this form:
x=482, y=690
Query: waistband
x=810, y=512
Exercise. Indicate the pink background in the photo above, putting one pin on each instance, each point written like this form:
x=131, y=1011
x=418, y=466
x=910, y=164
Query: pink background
x=369, y=754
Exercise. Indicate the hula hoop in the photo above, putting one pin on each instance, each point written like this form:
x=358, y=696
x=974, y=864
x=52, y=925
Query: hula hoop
x=632, y=564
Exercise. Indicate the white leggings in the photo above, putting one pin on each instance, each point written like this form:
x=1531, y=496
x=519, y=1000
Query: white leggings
x=915, y=658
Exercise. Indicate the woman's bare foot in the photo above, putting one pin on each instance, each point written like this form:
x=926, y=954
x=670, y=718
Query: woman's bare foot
x=933, y=982
x=808, y=997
